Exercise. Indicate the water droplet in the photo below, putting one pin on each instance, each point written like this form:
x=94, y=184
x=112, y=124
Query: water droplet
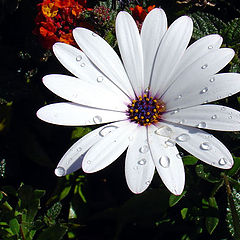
x=201, y=125
x=230, y=94
x=175, y=111
x=106, y=130
x=97, y=119
x=142, y=161
x=210, y=47
x=147, y=90
x=82, y=65
x=183, y=137
x=212, y=79
x=59, y=171
x=100, y=79
x=88, y=162
x=181, y=121
x=164, y=131
x=222, y=161
x=164, y=161
x=179, y=155
x=204, y=90
x=143, y=149
x=204, y=66
x=79, y=149
x=229, y=117
x=179, y=97
x=94, y=34
x=170, y=143
x=78, y=58
x=214, y=117
x=205, y=102
x=223, y=108
x=205, y=146
x=147, y=182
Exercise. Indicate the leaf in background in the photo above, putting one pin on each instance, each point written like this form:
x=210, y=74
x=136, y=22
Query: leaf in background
x=52, y=213
x=189, y=160
x=79, y=132
x=205, y=172
x=14, y=226
x=235, y=65
x=173, y=199
x=232, y=32
x=55, y=232
x=212, y=219
x=205, y=24
x=234, y=170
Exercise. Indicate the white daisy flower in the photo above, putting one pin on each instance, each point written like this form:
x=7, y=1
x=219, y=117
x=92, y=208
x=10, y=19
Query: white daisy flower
x=151, y=102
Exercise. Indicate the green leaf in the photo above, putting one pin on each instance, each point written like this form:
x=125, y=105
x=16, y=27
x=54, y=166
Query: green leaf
x=53, y=213
x=205, y=24
x=189, y=160
x=211, y=222
x=64, y=192
x=55, y=232
x=205, y=173
x=235, y=65
x=234, y=170
x=79, y=132
x=184, y=213
x=14, y=226
x=231, y=32
x=173, y=199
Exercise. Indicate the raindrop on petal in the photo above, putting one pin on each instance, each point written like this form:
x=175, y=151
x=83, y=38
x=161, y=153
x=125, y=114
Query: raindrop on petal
x=78, y=58
x=214, y=117
x=175, y=111
x=106, y=130
x=181, y=121
x=222, y=161
x=99, y=79
x=60, y=171
x=164, y=161
x=170, y=143
x=164, y=131
x=204, y=90
x=205, y=146
x=223, y=108
x=142, y=161
x=204, y=66
x=179, y=97
x=97, y=119
x=212, y=79
x=94, y=34
x=143, y=149
x=230, y=117
x=82, y=65
x=201, y=125
x=146, y=90
x=147, y=182
x=88, y=162
x=183, y=137
x=210, y=47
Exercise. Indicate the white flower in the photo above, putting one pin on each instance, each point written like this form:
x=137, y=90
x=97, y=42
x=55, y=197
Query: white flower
x=151, y=102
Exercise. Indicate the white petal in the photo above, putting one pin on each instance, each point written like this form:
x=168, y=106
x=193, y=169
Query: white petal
x=167, y=161
x=169, y=53
x=104, y=57
x=71, y=114
x=202, y=145
x=108, y=149
x=153, y=29
x=85, y=92
x=72, y=159
x=207, y=116
x=139, y=166
x=198, y=49
x=191, y=81
x=79, y=65
x=130, y=47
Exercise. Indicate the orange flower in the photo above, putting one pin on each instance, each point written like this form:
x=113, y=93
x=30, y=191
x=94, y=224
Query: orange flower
x=49, y=10
x=139, y=13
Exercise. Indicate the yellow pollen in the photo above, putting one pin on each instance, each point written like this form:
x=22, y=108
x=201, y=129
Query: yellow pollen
x=136, y=110
x=131, y=110
x=145, y=95
x=135, y=117
x=142, y=117
x=148, y=113
x=133, y=105
x=147, y=120
x=155, y=110
x=147, y=99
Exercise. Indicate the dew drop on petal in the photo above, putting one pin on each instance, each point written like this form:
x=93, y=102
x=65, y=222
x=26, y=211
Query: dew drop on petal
x=147, y=182
x=146, y=90
x=183, y=137
x=204, y=90
x=205, y=146
x=82, y=65
x=164, y=161
x=222, y=161
x=79, y=149
x=204, y=66
x=212, y=79
x=164, y=131
x=60, y=171
x=78, y=58
x=223, y=108
x=97, y=119
x=100, y=79
x=88, y=162
x=179, y=97
x=214, y=116
x=175, y=111
x=210, y=47
x=143, y=149
x=201, y=125
x=181, y=121
x=94, y=34
x=106, y=130
x=170, y=143
x=229, y=117
x=142, y=161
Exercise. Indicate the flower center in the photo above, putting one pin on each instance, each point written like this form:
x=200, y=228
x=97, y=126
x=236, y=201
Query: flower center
x=145, y=110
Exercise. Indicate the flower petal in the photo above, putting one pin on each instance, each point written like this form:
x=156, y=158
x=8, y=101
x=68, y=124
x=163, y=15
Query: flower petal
x=139, y=166
x=167, y=161
x=190, y=84
x=207, y=116
x=85, y=92
x=72, y=159
x=201, y=145
x=129, y=43
x=108, y=149
x=104, y=57
x=153, y=29
x=170, y=51
x=79, y=65
x=197, y=50
x=71, y=114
